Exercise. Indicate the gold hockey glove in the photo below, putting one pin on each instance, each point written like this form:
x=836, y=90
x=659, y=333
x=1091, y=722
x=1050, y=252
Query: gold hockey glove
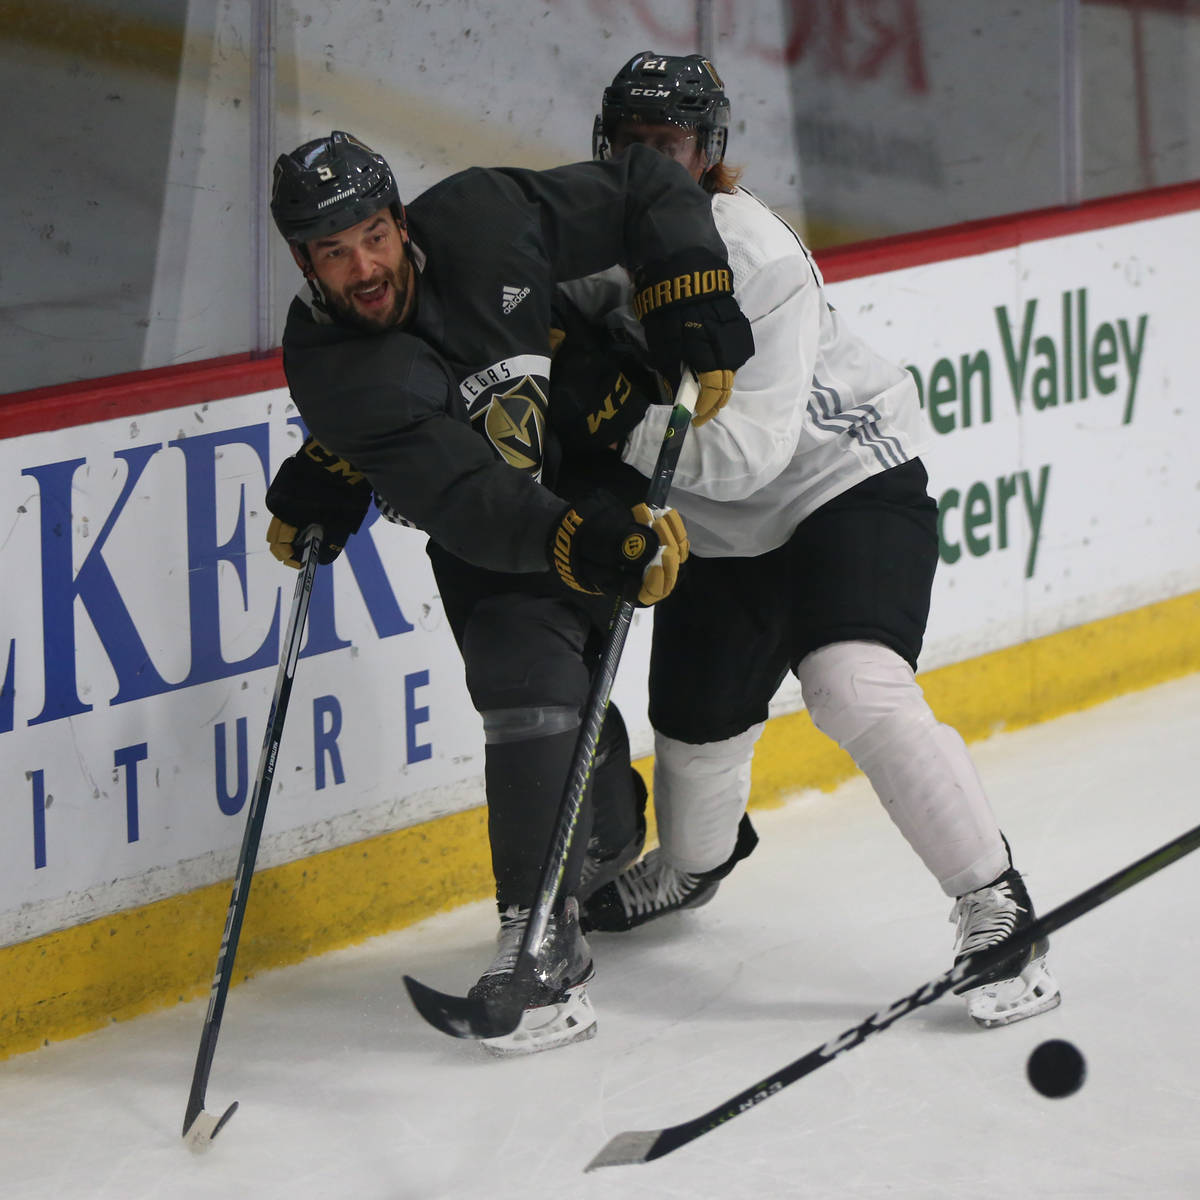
x=315, y=486
x=686, y=306
x=599, y=545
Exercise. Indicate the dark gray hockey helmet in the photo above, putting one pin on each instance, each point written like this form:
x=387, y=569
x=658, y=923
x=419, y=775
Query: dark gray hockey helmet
x=329, y=184
x=664, y=89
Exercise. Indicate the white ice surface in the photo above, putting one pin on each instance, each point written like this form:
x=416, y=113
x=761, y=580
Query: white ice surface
x=345, y=1092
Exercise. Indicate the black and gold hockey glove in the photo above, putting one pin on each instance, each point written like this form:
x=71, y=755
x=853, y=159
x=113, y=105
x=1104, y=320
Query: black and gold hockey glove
x=686, y=306
x=597, y=395
x=599, y=545
x=315, y=486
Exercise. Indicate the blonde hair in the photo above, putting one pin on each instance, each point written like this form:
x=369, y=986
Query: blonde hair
x=721, y=178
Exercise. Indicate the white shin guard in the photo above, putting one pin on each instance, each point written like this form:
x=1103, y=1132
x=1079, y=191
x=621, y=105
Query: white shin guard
x=865, y=697
x=700, y=794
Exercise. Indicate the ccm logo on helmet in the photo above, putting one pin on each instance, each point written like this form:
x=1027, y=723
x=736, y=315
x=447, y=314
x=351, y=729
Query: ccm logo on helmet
x=652, y=93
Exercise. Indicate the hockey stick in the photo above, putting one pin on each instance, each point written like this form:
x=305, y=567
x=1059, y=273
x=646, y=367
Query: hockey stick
x=639, y=1146
x=465, y=1016
x=199, y=1126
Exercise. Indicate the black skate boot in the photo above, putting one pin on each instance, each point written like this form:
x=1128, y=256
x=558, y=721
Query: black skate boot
x=617, y=838
x=559, y=1012
x=1020, y=986
x=652, y=888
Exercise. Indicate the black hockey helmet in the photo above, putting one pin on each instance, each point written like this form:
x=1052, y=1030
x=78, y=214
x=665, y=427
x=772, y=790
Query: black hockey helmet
x=664, y=89
x=329, y=184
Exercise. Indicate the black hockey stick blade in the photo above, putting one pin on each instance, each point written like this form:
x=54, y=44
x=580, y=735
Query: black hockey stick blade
x=468, y=1017
x=464, y=1016
x=500, y=1013
x=639, y=1146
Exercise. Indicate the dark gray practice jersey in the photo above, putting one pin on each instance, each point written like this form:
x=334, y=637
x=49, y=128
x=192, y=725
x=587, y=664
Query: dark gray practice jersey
x=489, y=246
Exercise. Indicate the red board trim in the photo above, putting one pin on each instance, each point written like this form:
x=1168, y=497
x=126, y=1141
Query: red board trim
x=973, y=238
x=71, y=404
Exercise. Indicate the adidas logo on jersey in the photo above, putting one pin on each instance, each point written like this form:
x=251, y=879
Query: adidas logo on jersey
x=511, y=296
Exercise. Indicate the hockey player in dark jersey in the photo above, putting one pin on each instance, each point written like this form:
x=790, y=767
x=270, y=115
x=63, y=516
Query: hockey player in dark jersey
x=418, y=354
x=814, y=544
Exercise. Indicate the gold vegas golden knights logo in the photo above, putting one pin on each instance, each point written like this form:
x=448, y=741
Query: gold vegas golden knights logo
x=515, y=424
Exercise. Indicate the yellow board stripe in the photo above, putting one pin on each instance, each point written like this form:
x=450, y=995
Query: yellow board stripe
x=75, y=980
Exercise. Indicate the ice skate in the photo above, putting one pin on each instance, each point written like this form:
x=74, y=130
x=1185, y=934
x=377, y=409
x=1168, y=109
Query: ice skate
x=618, y=824
x=559, y=1012
x=653, y=888
x=1022, y=985
x=602, y=866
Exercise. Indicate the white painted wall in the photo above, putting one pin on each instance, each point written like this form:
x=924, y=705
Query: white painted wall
x=126, y=237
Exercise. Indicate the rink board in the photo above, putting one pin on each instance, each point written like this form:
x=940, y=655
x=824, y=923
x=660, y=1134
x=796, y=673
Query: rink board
x=142, y=614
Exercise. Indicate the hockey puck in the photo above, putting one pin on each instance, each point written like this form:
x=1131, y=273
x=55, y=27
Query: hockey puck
x=1056, y=1069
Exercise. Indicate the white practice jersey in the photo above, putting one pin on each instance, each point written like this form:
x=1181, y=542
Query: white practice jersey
x=813, y=413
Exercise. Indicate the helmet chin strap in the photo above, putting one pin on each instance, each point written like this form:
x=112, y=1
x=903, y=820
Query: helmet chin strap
x=320, y=302
x=303, y=260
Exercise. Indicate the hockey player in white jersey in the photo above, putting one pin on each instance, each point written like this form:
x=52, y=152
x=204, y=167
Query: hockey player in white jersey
x=814, y=545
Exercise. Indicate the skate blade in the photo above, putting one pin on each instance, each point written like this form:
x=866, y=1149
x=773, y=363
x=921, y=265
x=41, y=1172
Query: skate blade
x=571, y=1019
x=1006, y=1001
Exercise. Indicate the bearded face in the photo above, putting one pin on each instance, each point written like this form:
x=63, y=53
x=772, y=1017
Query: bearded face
x=365, y=273
x=374, y=304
